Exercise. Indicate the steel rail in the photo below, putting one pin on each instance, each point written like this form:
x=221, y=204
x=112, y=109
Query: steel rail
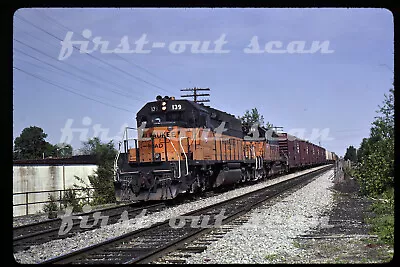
x=41, y=232
x=145, y=244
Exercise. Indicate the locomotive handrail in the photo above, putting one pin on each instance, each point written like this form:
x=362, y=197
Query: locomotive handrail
x=180, y=143
x=253, y=150
x=117, y=157
x=179, y=157
x=124, y=137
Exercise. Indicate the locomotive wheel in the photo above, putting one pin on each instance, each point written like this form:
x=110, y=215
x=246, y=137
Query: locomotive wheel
x=192, y=188
x=248, y=175
x=195, y=185
x=203, y=185
x=244, y=176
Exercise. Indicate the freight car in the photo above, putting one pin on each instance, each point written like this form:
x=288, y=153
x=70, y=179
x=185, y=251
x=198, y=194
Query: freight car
x=300, y=153
x=331, y=157
x=180, y=146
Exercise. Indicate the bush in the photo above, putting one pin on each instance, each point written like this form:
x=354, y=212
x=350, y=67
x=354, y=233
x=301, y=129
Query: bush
x=70, y=199
x=103, y=182
x=382, y=224
x=103, y=179
x=375, y=173
x=375, y=170
x=51, y=208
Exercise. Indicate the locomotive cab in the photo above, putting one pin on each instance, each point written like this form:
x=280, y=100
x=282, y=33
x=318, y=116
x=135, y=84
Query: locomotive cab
x=155, y=164
x=171, y=112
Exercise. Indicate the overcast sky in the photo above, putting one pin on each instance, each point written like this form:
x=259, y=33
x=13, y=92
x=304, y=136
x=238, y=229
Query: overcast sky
x=328, y=95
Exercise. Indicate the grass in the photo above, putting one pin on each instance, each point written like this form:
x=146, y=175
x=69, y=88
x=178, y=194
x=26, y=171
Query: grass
x=382, y=224
x=271, y=257
x=339, y=260
x=348, y=171
x=297, y=244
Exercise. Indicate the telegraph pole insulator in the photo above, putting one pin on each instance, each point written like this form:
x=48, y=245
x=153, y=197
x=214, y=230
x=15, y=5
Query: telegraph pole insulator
x=195, y=94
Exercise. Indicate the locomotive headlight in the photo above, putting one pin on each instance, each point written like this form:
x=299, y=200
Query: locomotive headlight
x=164, y=108
x=164, y=103
x=157, y=156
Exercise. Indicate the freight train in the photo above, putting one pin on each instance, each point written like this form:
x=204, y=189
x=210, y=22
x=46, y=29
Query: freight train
x=180, y=146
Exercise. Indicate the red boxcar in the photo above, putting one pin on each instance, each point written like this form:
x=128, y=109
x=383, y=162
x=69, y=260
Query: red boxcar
x=303, y=156
x=300, y=152
x=313, y=159
x=289, y=146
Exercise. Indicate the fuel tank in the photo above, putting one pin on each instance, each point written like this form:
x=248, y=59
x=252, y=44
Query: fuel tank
x=229, y=175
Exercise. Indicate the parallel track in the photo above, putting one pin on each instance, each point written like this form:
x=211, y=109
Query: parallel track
x=41, y=232
x=147, y=244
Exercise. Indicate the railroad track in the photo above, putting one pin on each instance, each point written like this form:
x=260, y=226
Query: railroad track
x=148, y=244
x=38, y=233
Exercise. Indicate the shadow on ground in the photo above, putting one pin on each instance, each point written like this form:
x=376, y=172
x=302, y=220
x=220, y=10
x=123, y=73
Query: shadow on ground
x=342, y=235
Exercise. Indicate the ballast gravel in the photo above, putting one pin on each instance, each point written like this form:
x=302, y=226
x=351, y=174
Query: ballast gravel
x=279, y=218
x=269, y=235
x=42, y=217
x=29, y=219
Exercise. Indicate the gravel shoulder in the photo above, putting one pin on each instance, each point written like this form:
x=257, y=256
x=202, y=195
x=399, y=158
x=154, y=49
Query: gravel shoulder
x=346, y=238
x=323, y=222
x=268, y=235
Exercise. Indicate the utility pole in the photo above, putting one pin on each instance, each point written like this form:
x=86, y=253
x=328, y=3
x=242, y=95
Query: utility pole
x=195, y=94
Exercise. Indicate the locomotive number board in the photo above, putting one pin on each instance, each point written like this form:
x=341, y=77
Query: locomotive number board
x=174, y=106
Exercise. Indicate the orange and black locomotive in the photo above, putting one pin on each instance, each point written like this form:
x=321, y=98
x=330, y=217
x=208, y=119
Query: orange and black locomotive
x=180, y=146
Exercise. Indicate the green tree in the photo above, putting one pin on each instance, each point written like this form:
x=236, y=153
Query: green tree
x=63, y=150
x=363, y=150
x=31, y=144
x=51, y=208
x=249, y=118
x=376, y=171
x=103, y=179
x=351, y=154
x=70, y=198
x=50, y=150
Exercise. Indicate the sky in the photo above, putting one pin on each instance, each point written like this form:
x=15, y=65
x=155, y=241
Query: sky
x=325, y=84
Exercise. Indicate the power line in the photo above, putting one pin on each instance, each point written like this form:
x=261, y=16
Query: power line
x=129, y=62
x=42, y=67
x=74, y=75
x=80, y=70
x=71, y=91
x=104, y=62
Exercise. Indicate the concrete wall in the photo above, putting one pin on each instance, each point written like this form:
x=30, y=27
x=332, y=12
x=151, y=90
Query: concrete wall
x=30, y=178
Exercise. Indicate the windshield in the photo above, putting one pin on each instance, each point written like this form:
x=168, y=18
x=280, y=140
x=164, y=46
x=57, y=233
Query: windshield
x=159, y=119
